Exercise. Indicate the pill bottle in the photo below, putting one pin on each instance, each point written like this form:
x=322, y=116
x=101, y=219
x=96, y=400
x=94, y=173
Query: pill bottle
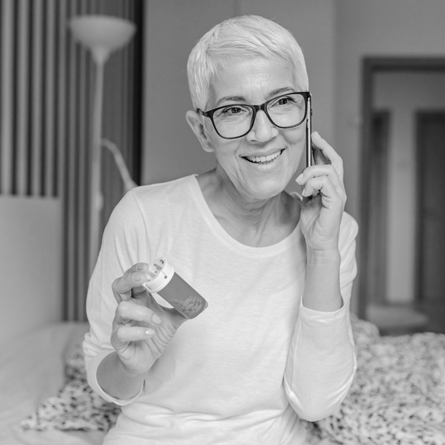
x=174, y=289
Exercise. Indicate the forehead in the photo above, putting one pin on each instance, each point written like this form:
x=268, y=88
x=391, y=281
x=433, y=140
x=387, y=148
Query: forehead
x=252, y=80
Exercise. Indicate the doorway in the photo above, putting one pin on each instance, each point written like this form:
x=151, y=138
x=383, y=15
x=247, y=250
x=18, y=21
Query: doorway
x=377, y=264
x=389, y=255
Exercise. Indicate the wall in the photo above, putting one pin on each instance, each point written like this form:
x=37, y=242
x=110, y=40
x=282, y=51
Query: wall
x=172, y=28
x=375, y=28
x=30, y=264
x=404, y=94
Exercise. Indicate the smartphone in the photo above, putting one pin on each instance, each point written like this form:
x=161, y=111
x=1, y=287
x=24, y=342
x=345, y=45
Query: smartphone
x=309, y=158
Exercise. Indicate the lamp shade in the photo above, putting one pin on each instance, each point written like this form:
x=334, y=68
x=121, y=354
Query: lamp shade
x=102, y=34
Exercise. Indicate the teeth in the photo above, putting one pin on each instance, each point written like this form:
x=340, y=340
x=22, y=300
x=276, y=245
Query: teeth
x=261, y=159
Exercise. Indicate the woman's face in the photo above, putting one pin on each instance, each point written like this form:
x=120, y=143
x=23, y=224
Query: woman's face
x=260, y=164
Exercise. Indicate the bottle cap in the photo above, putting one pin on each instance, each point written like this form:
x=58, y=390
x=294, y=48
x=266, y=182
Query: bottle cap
x=160, y=272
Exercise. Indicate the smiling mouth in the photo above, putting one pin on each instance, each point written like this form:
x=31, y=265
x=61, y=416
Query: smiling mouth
x=263, y=160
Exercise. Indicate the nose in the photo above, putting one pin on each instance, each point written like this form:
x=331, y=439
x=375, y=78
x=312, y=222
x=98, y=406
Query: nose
x=263, y=130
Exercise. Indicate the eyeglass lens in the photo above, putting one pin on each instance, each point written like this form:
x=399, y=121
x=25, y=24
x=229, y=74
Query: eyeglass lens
x=235, y=120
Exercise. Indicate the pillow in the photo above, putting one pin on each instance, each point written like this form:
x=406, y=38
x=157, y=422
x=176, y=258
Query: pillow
x=398, y=393
x=76, y=407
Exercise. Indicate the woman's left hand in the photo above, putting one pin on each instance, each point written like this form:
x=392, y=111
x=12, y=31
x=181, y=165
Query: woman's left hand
x=324, y=197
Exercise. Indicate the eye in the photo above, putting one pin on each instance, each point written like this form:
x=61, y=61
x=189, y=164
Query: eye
x=285, y=100
x=233, y=110
x=287, y=103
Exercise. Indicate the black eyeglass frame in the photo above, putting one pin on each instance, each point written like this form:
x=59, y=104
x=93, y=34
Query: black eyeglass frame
x=306, y=95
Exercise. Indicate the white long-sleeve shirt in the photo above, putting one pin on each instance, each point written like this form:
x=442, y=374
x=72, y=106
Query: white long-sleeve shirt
x=255, y=361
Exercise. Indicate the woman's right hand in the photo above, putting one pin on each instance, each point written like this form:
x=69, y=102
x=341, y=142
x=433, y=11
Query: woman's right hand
x=142, y=328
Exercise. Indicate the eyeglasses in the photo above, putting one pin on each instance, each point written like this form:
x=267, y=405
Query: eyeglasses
x=236, y=120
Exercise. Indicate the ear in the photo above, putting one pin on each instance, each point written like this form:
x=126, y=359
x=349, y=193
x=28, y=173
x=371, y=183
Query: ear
x=195, y=122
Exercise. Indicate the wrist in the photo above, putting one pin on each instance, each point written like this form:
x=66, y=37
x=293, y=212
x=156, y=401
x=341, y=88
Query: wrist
x=116, y=380
x=322, y=289
x=322, y=257
x=125, y=371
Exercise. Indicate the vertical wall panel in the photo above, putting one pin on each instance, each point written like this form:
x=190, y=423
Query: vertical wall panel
x=84, y=143
x=70, y=281
x=49, y=139
x=6, y=95
x=36, y=98
x=61, y=97
x=21, y=117
x=29, y=148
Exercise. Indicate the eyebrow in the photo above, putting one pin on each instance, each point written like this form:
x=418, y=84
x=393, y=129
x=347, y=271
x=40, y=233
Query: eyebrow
x=237, y=99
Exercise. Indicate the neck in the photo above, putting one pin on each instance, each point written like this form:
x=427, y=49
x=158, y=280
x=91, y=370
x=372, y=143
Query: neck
x=253, y=222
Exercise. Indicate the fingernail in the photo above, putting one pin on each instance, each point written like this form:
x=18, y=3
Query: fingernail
x=156, y=319
x=140, y=267
x=304, y=192
x=150, y=332
x=137, y=276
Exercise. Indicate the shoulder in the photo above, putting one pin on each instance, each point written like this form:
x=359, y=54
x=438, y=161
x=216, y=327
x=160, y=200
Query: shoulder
x=163, y=190
x=154, y=199
x=165, y=195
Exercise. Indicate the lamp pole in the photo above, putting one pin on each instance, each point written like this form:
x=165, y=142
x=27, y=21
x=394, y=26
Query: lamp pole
x=101, y=35
x=96, y=197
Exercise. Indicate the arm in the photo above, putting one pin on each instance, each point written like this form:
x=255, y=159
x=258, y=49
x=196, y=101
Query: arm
x=129, y=330
x=321, y=362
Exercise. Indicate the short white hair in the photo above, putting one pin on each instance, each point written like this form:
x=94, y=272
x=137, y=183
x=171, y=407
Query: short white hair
x=241, y=37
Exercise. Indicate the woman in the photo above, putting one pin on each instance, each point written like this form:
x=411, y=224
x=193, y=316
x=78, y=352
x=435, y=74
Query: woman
x=274, y=345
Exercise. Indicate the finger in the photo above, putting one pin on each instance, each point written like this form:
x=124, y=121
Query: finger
x=127, y=312
x=126, y=334
x=325, y=154
x=318, y=171
x=319, y=157
x=139, y=267
x=323, y=185
x=130, y=284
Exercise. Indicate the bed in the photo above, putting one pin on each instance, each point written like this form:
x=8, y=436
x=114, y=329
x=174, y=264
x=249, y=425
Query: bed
x=398, y=395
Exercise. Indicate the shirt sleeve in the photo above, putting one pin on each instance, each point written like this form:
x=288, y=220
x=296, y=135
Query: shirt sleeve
x=321, y=363
x=120, y=249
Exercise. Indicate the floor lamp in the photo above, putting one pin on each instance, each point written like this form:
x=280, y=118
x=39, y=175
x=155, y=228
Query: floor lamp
x=101, y=35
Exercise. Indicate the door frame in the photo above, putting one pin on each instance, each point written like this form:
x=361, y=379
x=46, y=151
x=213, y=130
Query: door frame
x=370, y=67
x=420, y=117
